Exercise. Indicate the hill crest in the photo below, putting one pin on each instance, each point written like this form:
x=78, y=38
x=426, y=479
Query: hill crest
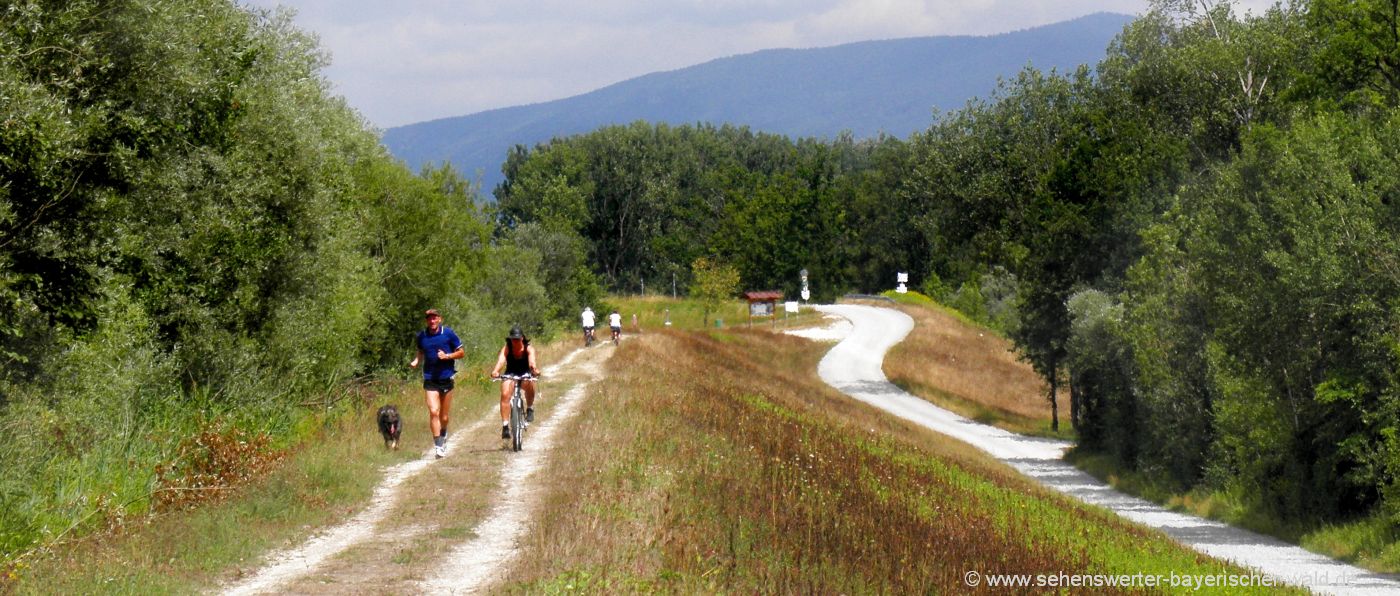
x=867, y=88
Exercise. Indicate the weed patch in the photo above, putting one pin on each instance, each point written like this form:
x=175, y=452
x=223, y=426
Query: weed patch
x=209, y=465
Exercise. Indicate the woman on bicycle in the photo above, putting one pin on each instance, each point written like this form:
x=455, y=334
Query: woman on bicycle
x=517, y=358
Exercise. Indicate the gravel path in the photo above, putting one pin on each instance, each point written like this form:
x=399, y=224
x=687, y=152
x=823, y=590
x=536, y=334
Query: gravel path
x=854, y=367
x=471, y=564
x=480, y=561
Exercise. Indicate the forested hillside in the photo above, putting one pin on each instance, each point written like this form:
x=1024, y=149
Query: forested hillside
x=199, y=246
x=868, y=88
x=1199, y=236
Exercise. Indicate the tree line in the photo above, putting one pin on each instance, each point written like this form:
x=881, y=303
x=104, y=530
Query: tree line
x=1198, y=236
x=196, y=234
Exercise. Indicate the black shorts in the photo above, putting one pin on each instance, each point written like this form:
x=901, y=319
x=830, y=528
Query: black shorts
x=438, y=385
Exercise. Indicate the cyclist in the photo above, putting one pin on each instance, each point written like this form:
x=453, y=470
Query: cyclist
x=517, y=358
x=615, y=321
x=588, y=324
x=438, y=346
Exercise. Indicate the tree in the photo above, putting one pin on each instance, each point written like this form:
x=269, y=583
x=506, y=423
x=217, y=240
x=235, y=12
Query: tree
x=712, y=283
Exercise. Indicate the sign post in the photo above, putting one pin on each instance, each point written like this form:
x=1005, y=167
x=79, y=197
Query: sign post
x=763, y=304
x=902, y=278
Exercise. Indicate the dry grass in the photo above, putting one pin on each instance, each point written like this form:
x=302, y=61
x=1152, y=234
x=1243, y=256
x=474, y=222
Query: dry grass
x=717, y=462
x=322, y=483
x=972, y=371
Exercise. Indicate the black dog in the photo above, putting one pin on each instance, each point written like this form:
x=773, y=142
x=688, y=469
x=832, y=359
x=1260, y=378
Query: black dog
x=389, y=426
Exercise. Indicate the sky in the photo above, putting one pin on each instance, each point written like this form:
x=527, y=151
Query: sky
x=415, y=60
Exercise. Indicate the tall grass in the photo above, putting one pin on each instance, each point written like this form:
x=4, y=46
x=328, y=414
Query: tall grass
x=718, y=462
x=969, y=369
x=189, y=547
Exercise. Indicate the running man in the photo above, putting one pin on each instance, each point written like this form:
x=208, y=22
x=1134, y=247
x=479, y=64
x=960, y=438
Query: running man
x=438, y=346
x=517, y=357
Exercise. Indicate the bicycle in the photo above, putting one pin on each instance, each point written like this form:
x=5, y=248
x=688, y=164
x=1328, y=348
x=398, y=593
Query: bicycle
x=517, y=409
x=587, y=337
x=616, y=333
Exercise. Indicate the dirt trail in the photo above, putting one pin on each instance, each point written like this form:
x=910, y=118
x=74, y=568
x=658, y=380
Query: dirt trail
x=439, y=526
x=854, y=366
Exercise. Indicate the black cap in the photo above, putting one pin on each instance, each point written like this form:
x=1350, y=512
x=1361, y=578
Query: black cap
x=516, y=333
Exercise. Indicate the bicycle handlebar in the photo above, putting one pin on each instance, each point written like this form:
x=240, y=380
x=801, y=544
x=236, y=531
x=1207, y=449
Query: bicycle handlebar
x=524, y=377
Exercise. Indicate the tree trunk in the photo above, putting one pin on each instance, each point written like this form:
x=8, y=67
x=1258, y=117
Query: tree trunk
x=1074, y=412
x=1054, y=403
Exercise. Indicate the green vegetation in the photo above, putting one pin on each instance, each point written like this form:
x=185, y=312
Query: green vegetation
x=200, y=248
x=713, y=284
x=691, y=314
x=1370, y=541
x=705, y=465
x=189, y=548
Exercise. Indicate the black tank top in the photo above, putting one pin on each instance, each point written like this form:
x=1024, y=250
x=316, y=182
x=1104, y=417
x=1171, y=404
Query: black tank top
x=521, y=365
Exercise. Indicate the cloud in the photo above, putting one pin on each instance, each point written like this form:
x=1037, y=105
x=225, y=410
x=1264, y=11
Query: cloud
x=404, y=62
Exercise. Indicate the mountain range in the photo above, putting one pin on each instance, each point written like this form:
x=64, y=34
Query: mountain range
x=872, y=87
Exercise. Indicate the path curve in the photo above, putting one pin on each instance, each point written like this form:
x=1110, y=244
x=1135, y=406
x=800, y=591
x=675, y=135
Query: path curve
x=854, y=366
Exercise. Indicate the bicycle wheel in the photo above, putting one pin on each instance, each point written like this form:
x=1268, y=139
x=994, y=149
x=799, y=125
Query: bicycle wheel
x=517, y=425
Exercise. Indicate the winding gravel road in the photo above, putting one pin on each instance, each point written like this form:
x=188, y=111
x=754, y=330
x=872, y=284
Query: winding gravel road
x=854, y=367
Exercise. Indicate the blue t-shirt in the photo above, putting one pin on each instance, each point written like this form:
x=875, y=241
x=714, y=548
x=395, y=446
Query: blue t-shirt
x=430, y=343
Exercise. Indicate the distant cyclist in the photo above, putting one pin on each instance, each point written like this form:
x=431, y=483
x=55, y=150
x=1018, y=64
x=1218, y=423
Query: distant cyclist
x=517, y=358
x=588, y=324
x=615, y=321
x=438, y=346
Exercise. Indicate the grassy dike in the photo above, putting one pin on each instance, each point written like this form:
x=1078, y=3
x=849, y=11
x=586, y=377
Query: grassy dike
x=718, y=461
x=963, y=367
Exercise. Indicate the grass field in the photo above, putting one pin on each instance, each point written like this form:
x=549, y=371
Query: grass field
x=652, y=313
x=961, y=366
x=717, y=461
